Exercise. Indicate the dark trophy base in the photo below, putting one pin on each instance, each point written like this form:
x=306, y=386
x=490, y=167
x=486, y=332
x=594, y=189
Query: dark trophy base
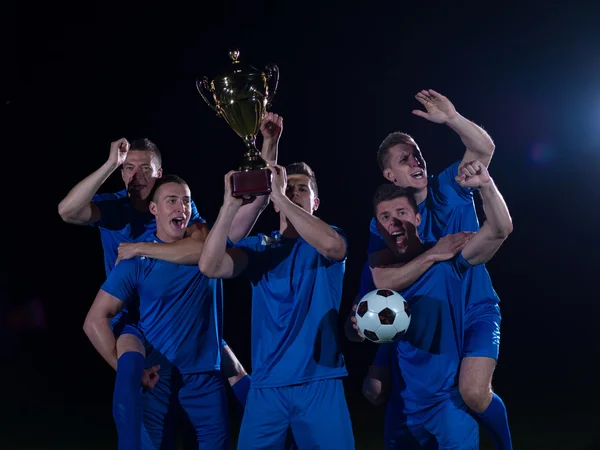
x=251, y=183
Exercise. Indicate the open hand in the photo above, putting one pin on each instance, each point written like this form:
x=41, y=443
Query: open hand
x=438, y=108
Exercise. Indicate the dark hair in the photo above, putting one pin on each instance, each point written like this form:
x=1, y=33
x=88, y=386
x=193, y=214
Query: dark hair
x=391, y=140
x=301, y=168
x=147, y=145
x=389, y=191
x=165, y=179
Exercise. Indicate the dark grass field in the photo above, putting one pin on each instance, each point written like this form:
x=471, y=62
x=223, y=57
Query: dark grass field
x=52, y=424
x=64, y=402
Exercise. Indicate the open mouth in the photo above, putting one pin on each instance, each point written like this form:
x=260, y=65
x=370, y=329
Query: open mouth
x=418, y=174
x=178, y=222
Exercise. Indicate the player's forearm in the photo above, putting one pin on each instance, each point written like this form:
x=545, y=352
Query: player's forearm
x=76, y=206
x=102, y=338
x=313, y=230
x=270, y=150
x=496, y=212
x=400, y=276
x=213, y=253
x=186, y=251
x=246, y=217
x=475, y=138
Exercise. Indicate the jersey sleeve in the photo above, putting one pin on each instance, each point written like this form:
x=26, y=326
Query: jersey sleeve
x=112, y=212
x=383, y=357
x=461, y=266
x=122, y=280
x=195, y=217
x=343, y=235
x=448, y=191
x=376, y=242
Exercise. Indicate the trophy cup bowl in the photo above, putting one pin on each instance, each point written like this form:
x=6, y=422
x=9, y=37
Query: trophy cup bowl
x=241, y=97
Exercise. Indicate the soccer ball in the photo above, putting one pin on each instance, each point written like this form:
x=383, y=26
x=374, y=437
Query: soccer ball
x=383, y=316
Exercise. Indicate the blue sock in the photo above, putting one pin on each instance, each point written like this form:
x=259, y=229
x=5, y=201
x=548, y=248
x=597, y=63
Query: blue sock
x=494, y=420
x=240, y=390
x=127, y=400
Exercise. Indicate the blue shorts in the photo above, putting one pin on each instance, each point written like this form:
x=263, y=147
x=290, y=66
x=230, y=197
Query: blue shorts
x=201, y=397
x=444, y=426
x=126, y=322
x=316, y=412
x=482, y=331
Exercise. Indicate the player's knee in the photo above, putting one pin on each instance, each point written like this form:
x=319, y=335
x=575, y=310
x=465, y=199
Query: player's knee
x=476, y=397
x=129, y=343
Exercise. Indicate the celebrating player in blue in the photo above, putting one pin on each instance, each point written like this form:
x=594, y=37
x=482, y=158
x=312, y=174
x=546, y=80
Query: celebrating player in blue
x=296, y=274
x=424, y=405
x=125, y=223
x=447, y=208
x=181, y=321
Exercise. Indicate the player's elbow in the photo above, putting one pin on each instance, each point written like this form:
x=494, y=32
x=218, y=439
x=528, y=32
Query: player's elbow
x=65, y=213
x=335, y=248
x=208, y=268
x=504, y=229
x=489, y=148
x=89, y=325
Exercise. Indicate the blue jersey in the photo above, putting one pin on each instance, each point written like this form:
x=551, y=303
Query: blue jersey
x=448, y=209
x=426, y=373
x=120, y=222
x=180, y=310
x=296, y=294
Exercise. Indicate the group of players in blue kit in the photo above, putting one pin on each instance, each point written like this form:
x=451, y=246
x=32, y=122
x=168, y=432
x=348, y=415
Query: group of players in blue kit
x=157, y=319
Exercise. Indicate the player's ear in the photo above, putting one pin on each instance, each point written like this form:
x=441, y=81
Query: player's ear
x=159, y=173
x=388, y=174
x=153, y=207
x=418, y=219
x=316, y=204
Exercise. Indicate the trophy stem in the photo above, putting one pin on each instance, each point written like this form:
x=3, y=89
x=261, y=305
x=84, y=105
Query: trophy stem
x=252, y=158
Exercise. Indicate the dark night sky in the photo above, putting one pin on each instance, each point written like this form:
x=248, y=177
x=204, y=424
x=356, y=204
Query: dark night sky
x=76, y=77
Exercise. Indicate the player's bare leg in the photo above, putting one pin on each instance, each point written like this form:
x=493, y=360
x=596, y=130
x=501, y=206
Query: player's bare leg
x=475, y=382
x=475, y=386
x=129, y=343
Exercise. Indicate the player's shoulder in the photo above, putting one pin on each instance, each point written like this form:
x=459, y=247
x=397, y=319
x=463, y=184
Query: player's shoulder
x=111, y=196
x=338, y=229
x=254, y=242
x=125, y=267
x=449, y=173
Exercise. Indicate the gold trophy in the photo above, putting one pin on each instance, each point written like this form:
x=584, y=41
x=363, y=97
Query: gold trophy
x=241, y=97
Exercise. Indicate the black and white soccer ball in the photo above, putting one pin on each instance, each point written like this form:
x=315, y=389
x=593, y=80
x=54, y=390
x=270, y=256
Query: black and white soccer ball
x=383, y=316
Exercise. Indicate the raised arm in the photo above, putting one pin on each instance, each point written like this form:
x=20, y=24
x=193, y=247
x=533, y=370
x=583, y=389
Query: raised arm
x=77, y=207
x=97, y=326
x=216, y=260
x=498, y=225
x=478, y=143
x=313, y=230
x=271, y=128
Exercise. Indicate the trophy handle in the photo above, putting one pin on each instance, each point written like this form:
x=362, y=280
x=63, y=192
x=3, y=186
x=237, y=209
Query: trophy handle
x=203, y=88
x=272, y=81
